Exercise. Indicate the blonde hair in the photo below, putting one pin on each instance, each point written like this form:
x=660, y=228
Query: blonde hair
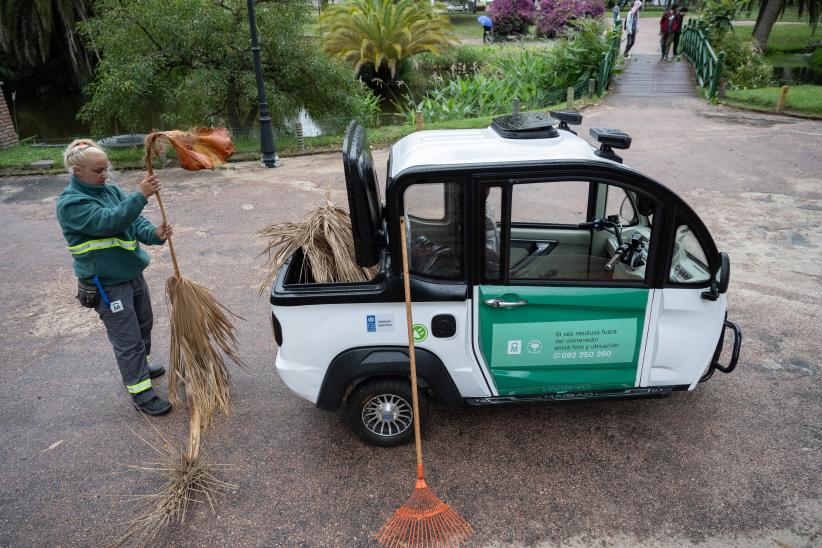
x=79, y=152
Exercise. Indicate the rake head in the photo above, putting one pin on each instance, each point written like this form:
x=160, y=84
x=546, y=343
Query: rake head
x=424, y=520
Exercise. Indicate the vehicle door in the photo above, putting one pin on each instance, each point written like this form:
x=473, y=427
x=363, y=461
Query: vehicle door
x=550, y=314
x=434, y=207
x=688, y=312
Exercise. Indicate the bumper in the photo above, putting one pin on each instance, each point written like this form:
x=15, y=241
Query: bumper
x=737, y=345
x=301, y=379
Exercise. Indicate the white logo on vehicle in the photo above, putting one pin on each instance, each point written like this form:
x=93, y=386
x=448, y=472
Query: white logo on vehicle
x=534, y=347
x=514, y=347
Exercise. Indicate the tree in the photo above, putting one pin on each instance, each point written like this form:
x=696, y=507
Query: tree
x=771, y=10
x=180, y=63
x=376, y=35
x=33, y=31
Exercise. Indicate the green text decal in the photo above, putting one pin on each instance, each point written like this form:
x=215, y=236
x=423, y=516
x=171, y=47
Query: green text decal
x=560, y=343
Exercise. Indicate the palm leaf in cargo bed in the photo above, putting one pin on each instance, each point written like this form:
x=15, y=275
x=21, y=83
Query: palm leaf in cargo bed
x=325, y=239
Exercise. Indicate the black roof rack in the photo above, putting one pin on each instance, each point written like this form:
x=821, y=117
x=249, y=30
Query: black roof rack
x=525, y=125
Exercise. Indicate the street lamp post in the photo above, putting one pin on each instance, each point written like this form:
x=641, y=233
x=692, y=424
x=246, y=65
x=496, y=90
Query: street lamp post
x=267, y=147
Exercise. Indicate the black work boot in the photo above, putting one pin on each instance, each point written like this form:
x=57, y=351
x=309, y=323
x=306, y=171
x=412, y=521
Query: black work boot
x=154, y=371
x=150, y=403
x=155, y=406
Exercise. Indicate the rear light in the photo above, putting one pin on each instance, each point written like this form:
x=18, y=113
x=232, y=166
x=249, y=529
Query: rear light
x=277, y=329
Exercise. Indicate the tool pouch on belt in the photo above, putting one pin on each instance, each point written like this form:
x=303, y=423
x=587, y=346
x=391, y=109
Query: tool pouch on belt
x=87, y=294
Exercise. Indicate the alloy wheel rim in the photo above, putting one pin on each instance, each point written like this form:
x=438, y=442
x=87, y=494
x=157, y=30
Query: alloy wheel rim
x=387, y=415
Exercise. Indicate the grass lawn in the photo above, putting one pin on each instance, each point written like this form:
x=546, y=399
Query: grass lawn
x=801, y=99
x=784, y=38
x=466, y=25
x=791, y=15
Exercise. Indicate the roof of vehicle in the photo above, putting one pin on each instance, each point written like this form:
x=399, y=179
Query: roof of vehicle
x=458, y=147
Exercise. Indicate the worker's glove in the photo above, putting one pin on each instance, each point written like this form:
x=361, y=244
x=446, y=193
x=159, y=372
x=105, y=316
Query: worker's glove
x=87, y=294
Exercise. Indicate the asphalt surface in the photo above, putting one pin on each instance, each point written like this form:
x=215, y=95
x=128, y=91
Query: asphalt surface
x=737, y=462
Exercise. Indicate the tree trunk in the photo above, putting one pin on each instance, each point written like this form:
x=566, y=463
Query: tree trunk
x=760, y=10
x=769, y=17
x=231, y=105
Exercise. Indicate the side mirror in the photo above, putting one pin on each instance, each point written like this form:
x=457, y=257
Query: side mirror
x=718, y=287
x=645, y=205
x=724, y=273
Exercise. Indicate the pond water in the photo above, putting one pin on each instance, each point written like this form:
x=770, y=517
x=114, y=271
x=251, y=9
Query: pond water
x=54, y=121
x=48, y=120
x=795, y=69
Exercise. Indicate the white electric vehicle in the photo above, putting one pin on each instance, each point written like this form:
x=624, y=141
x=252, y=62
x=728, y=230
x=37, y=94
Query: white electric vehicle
x=541, y=267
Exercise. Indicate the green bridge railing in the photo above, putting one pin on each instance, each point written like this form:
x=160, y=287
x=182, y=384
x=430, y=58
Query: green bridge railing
x=609, y=59
x=707, y=64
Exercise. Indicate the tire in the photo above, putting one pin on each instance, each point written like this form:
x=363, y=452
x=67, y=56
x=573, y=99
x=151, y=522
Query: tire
x=368, y=400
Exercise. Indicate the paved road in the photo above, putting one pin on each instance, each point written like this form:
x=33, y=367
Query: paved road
x=737, y=462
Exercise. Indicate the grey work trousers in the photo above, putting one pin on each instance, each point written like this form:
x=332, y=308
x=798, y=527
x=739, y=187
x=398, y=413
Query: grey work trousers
x=129, y=331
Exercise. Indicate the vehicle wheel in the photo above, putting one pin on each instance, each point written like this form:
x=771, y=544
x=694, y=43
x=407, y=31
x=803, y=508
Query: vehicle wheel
x=380, y=412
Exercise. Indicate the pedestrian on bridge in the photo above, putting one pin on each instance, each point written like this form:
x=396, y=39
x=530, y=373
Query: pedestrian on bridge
x=668, y=28
x=104, y=229
x=631, y=26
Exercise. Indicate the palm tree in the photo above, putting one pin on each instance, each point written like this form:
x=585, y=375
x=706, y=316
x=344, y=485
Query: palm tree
x=29, y=29
x=771, y=10
x=376, y=35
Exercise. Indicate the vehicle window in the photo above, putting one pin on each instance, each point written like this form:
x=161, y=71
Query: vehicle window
x=428, y=201
x=548, y=244
x=689, y=263
x=435, y=218
x=561, y=202
x=618, y=203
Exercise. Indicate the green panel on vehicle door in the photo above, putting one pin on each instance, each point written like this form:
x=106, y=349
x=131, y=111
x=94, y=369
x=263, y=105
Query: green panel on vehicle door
x=564, y=339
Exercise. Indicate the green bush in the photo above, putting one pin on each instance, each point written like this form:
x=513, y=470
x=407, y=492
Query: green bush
x=719, y=15
x=579, y=52
x=536, y=77
x=745, y=66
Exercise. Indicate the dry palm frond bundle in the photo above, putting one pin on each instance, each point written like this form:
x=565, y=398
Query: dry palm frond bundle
x=325, y=239
x=202, y=334
x=202, y=342
x=187, y=481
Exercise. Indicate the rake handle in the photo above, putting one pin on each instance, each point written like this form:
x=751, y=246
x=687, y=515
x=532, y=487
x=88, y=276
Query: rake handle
x=414, y=397
x=150, y=169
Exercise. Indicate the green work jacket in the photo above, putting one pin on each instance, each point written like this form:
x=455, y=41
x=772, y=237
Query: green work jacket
x=103, y=228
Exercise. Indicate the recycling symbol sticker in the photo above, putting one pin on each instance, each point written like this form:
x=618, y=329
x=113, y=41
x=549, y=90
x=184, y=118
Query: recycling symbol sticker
x=420, y=332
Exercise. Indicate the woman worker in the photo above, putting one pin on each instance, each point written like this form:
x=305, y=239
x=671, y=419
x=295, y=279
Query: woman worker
x=103, y=228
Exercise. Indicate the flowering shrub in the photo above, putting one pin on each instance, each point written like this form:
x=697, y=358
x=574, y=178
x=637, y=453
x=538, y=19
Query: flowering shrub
x=553, y=15
x=511, y=16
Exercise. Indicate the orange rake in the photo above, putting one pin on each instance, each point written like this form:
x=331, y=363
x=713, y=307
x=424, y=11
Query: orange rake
x=424, y=520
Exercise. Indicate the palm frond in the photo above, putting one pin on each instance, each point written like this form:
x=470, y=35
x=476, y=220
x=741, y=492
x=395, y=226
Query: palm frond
x=325, y=239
